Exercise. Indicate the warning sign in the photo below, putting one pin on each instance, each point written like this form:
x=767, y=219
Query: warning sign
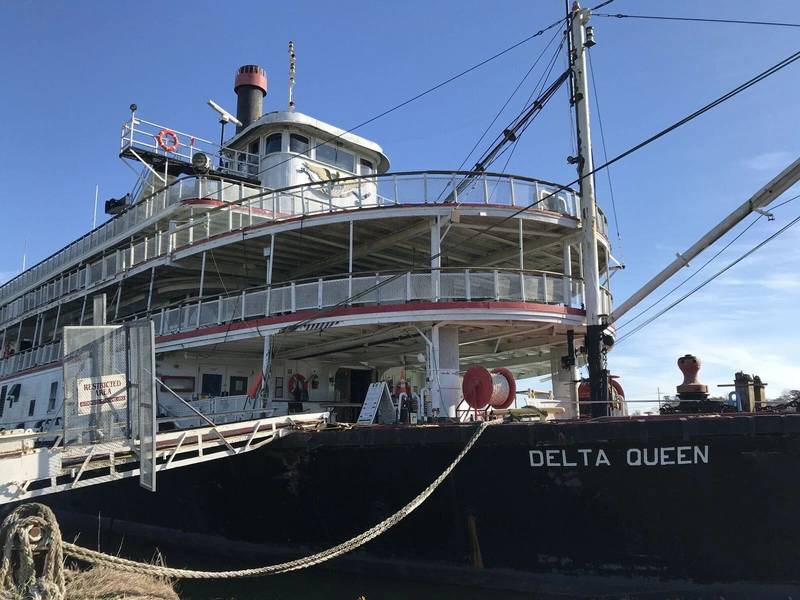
x=103, y=391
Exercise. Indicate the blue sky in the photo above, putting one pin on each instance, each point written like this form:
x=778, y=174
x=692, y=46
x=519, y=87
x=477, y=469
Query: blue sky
x=71, y=69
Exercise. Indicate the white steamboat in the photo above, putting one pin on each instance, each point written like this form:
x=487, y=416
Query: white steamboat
x=291, y=254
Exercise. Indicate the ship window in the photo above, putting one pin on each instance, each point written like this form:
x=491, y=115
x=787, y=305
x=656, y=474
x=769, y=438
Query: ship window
x=51, y=402
x=253, y=147
x=337, y=157
x=13, y=394
x=272, y=143
x=31, y=407
x=298, y=144
x=237, y=385
x=2, y=399
x=366, y=167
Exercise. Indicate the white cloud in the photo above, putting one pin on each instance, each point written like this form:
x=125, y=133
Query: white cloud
x=768, y=161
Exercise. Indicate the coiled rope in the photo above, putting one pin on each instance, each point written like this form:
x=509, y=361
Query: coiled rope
x=31, y=528
x=123, y=564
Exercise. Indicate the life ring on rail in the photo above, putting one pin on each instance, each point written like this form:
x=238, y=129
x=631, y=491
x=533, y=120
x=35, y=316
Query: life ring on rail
x=297, y=381
x=168, y=140
x=254, y=388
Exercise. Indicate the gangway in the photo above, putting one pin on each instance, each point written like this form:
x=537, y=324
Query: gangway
x=29, y=469
x=110, y=419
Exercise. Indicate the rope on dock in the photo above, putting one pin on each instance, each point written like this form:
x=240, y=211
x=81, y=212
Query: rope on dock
x=122, y=564
x=32, y=566
x=29, y=528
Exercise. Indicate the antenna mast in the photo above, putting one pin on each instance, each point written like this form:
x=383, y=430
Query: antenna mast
x=581, y=38
x=291, y=76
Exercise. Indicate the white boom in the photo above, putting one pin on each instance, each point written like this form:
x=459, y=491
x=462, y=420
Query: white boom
x=782, y=182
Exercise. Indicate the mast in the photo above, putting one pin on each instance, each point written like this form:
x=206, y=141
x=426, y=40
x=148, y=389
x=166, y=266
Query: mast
x=595, y=322
x=292, y=62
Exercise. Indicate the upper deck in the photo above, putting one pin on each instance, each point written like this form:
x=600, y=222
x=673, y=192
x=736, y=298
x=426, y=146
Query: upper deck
x=159, y=224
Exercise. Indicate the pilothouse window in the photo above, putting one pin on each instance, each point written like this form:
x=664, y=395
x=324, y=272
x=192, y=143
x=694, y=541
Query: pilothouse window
x=366, y=167
x=337, y=157
x=272, y=143
x=298, y=144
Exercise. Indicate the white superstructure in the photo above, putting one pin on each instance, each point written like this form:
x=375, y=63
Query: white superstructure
x=291, y=251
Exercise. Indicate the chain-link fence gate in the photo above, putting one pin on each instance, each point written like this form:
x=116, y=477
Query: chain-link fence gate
x=109, y=390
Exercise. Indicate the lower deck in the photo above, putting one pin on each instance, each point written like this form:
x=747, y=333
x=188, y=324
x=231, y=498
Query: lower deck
x=328, y=365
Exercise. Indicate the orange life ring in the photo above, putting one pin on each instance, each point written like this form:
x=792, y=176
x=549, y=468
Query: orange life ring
x=173, y=143
x=297, y=380
x=252, y=392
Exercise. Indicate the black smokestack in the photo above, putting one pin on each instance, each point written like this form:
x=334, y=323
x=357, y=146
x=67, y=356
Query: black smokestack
x=250, y=87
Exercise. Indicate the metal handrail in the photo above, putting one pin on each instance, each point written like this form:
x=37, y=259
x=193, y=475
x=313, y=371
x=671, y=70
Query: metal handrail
x=7, y=287
x=302, y=195
x=344, y=277
x=140, y=137
x=506, y=285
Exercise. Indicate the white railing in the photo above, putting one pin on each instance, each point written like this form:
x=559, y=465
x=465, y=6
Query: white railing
x=374, y=288
x=149, y=209
x=245, y=206
x=27, y=359
x=138, y=134
x=499, y=285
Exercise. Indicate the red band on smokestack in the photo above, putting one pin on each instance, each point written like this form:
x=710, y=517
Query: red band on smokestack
x=251, y=75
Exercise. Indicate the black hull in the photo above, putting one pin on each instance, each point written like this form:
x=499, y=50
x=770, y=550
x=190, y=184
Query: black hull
x=720, y=505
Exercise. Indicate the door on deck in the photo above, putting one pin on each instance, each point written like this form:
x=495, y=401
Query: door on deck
x=211, y=385
x=351, y=387
x=359, y=384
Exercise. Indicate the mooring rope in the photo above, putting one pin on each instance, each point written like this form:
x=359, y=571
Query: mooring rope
x=28, y=529
x=123, y=564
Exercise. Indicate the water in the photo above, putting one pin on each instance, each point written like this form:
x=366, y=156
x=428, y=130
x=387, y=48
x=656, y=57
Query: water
x=317, y=584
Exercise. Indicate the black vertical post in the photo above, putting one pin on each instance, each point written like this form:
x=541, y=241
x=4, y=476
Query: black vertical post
x=221, y=140
x=598, y=375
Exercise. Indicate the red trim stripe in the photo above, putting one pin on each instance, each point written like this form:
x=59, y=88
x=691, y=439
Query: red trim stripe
x=366, y=310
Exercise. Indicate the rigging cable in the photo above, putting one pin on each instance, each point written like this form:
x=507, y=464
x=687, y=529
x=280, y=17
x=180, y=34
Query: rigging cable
x=508, y=100
x=699, y=112
x=727, y=96
x=710, y=279
x=422, y=94
x=696, y=20
x=537, y=91
x=701, y=267
x=605, y=151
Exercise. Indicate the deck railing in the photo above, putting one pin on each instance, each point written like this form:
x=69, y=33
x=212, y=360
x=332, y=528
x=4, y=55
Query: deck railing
x=28, y=359
x=243, y=206
x=373, y=289
x=138, y=134
x=70, y=261
x=357, y=289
